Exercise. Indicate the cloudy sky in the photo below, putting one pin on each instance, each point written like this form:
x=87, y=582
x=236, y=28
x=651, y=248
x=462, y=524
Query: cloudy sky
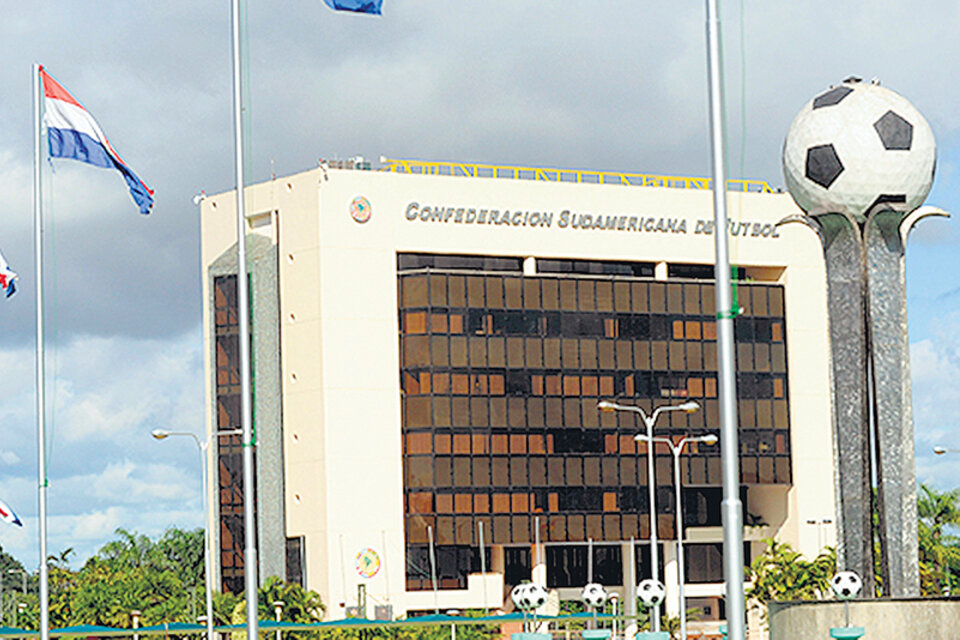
x=610, y=84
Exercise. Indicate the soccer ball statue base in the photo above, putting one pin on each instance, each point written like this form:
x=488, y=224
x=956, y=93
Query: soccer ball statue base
x=596, y=634
x=847, y=633
x=530, y=636
x=653, y=635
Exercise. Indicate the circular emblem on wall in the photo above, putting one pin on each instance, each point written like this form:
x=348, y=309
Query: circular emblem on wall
x=360, y=209
x=368, y=562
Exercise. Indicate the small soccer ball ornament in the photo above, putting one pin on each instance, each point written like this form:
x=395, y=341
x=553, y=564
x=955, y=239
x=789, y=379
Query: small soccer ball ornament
x=517, y=594
x=594, y=595
x=535, y=596
x=651, y=593
x=846, y=585
x=858, y=148
x=528, y=596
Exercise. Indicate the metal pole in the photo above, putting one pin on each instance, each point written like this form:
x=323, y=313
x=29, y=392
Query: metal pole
x=538, y=559
x=433, y=572
x=1, y=598
x=483, y=567
x=207, y=569
x=679, y=514
x=731, y=509
x=41, y=375
x=589, y=560
x=652, y=494
x=243, y=305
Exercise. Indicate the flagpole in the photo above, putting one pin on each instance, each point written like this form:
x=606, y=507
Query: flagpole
x=731, y=508
x=243, y=305
x=41, y=400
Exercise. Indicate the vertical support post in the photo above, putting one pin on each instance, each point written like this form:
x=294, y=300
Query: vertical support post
x=251, y=583
x=433, y=572
x=589, y=560
x=731, y=508
x=679, y=514
x=43, y=577
x=207, y=570
x=652, y=498
x=843, y=255
x=890, y=360
x=483, y=567
x=630, y=602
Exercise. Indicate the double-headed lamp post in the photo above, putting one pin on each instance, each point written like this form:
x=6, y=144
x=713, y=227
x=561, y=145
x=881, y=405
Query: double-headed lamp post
x=203, y=446
x=688, y=407
x=677, y=450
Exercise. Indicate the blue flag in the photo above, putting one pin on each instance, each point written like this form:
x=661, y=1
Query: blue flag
x=357, y=6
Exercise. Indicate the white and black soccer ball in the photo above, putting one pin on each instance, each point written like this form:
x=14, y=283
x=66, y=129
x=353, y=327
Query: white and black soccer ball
x=528, y=596
x=651, y=593
x=858, y=148
x=519, y=596
x=594, y=595
x=846, y=585
x=535, y=596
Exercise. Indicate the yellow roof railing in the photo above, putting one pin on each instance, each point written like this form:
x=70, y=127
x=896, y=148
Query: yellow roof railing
x=477, y=170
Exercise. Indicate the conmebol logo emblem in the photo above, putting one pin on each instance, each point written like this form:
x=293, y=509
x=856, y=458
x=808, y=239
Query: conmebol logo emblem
x=360, y=209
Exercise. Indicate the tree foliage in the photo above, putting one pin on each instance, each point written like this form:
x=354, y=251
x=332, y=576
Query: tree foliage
x=939, y=514
x=162, y=579
x=781, y=573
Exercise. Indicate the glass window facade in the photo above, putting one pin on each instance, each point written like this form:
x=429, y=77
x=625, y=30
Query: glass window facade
x=229, y=448
x=501, y=375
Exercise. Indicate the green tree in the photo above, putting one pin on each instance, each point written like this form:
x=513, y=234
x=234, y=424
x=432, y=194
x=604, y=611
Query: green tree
x=132, y=572
x=781, y=573
x=939, y=549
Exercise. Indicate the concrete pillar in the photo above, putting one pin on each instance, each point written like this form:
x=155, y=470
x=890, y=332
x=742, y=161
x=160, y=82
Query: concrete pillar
x=497, y=560
x=530, y=266
x=539, y=561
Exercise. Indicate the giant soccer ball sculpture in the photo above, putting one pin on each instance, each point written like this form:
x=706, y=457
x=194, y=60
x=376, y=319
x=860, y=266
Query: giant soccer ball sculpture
x=859, y=160
x=857, y=148
x=846, y=585
x=651, y=593
x=594, y=595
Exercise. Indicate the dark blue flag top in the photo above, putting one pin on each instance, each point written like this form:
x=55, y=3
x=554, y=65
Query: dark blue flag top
x=357, y=6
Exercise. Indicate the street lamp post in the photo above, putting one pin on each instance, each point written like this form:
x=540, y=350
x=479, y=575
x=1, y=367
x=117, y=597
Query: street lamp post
x=203, y=446
x=688, y=407
x=676, y=450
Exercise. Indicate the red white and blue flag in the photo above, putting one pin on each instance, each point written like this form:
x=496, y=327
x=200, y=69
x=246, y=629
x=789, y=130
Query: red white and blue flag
x=357, y=6
x=73, y=133
x=8, y=516
x=8, y=278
